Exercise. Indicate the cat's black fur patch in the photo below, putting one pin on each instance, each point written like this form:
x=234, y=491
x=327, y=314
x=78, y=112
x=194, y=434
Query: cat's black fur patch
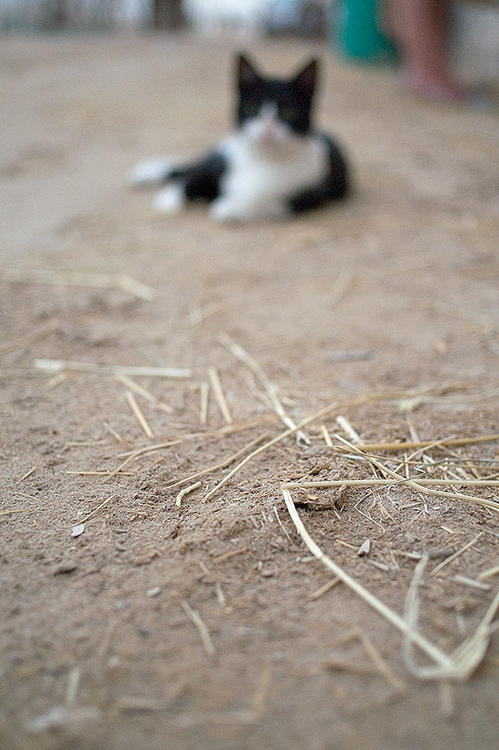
x=293, y=100
x=201, y=179
x=293, y=97
x=334, y=187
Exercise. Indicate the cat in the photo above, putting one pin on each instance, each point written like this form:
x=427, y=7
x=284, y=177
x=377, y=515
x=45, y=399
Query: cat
x=273, y=165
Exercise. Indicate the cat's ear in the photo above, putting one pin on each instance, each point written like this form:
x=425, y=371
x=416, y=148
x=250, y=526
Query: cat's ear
x=306, y=80
x=246, y=73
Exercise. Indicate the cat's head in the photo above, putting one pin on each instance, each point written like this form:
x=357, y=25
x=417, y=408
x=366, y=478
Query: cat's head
x=271, y=111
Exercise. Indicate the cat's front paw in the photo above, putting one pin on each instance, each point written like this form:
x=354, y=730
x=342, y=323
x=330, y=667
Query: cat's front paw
x=227, y=211
x=150, y=172
x=231, y=211
x=169, y=200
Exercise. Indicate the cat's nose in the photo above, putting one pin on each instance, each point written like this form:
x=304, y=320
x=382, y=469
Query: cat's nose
x=269, y=132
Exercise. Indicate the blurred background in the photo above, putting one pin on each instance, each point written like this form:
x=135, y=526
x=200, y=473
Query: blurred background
x=351, y=25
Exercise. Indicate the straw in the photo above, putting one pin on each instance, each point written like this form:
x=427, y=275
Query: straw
x=186, y=491
x=416, y=485
x=196, y=619
x=138, y=414
x=466, y=657
x=429, y=648
x=270, y=388
x=410, y=445
x=376, y=481
x=283, y=435
x=219, y=395
x=80, y=278
x=141, y=391
x=27, y=339
x=51, y=366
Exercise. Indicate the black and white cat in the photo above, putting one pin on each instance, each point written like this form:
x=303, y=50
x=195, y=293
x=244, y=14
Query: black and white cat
x=274, y=164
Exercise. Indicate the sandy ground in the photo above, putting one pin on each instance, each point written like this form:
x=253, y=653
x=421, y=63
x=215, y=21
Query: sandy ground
x=97, y=646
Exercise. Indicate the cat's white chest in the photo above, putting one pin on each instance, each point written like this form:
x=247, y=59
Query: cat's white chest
x=257, y=184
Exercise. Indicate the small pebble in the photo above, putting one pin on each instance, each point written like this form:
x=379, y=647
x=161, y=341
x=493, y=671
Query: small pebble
x=364, y=548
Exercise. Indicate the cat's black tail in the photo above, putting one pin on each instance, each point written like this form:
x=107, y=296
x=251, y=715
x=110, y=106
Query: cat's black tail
x=335, y=187
x=338, y=181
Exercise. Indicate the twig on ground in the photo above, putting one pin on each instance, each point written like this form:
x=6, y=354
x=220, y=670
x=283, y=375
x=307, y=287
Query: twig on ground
x=72, y=687
x=186, y=491
x=96, y=510
x=429, y=648
x=392, y=483
x=340, y=286
x=269, y=387
x=410, y=445
x=222, y=465
x=80, y=278
x=230, y=554
x=138, y=414
x=459, y=552
x=142, y=452
x=474, y=584
x=465, y=658
x=219, y=395
x=488, y=573
x=283, y=435
x=381, y=664
x=463, y=661
x=103, y=473
x=203, y=402
x=29, y=338
x=326, y=436
x=51, y=366
x=345, y=425
x=113, y=432
x=140, y=391
x=327, y=587
x=416, y=485
x=259, y=704
x=281, y=524
x=198, y=314
x=196, y=619
x=25, y=476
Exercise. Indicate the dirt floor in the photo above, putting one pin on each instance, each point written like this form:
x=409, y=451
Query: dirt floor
x=183, y=624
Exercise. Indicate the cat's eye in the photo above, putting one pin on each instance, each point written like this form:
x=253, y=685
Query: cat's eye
x=252, y=110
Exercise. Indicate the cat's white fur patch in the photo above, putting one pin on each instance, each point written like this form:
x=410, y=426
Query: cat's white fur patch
x=229, y=210
x=150, y=171
x=170, y=200
x=262, y=173
x=266, y=130
x=259, y=180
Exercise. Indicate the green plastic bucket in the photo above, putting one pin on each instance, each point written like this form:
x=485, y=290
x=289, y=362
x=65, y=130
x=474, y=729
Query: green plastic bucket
x=356, y=32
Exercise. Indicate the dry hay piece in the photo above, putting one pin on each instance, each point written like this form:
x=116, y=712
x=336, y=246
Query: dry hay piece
x=80, y=278
x=369, y=398
x=47, y=329
x=414, y=484
x=457, y=667
x=218, y=392
x=141, y=391
x=422, y=444
x=52, y=366
x=269, y=387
